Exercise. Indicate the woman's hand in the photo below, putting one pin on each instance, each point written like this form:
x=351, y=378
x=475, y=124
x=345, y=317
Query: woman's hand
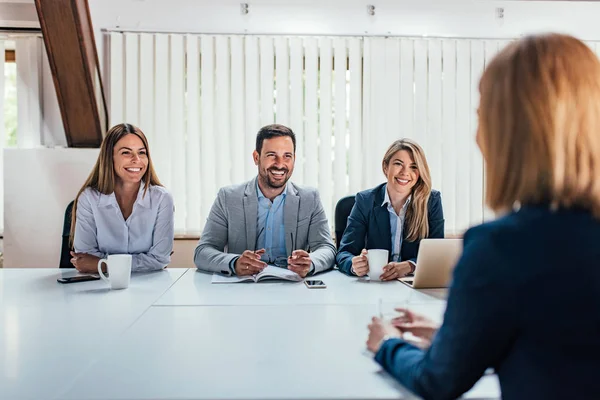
x=84, y=262
x=360, y=264
x=418, y=325
x=378, y=330
x=395, y=270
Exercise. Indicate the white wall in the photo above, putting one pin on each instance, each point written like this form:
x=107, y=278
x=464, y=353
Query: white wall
x=440, y=18
x=18, y=14
x=445, y=18
x=462, y=18
x=38, y=185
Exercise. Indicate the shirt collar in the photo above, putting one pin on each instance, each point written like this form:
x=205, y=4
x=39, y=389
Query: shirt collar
x=111, y=200
x=260, y=194
x=388, y=202
x=143, y=197
x=107, y=200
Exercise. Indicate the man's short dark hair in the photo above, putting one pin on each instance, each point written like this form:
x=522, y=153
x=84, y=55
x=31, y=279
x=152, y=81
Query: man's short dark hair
x=271, y=131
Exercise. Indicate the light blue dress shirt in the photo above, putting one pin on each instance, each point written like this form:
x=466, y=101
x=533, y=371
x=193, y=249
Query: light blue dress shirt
x=147, y=234
x=396, y=224
x=270, y=227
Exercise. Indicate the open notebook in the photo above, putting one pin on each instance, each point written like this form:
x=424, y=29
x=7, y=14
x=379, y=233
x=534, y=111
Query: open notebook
x=269, y=273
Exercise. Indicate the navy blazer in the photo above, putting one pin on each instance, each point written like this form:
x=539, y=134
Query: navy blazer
x=368, y=227
x=525, y=300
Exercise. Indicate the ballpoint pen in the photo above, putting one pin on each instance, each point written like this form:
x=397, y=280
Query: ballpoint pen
x=257, y=236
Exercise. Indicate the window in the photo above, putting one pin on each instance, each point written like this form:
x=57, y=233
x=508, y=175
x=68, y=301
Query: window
x=10, y=95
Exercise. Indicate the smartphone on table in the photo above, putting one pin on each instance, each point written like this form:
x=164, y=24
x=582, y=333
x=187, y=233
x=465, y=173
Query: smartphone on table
x=79, y=278
x=315, y=284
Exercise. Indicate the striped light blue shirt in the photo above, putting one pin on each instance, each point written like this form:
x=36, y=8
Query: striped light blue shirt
x=270, y=226
x=396, y=224
x=147, y=234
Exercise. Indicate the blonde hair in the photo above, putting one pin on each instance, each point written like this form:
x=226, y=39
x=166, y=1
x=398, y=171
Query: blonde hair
x=103, y=177
x=539, y=124
x=417, y=219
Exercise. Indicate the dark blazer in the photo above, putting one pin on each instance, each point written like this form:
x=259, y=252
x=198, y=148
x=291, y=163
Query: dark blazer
x=368, y=227
x=525, y=300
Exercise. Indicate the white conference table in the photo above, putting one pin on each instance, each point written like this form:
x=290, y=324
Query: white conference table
x=246, y=352
x=51, y=332
x=195, y=289
x=175, y=335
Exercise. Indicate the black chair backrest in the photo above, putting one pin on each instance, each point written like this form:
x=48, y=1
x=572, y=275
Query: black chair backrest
x=65, y=256
x=342, y=211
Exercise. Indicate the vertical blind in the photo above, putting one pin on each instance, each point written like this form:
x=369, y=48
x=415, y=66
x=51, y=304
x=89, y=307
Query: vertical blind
x=426, y=89
x=201, y=99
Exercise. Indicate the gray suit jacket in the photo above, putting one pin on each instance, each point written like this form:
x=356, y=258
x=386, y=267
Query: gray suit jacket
x=231, y=227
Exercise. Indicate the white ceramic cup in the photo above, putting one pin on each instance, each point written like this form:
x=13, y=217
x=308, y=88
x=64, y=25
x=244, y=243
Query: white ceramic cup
x=377, y=260
x=119, y=270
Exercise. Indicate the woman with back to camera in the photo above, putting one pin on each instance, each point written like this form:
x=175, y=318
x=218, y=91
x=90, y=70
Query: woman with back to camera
x=393, y=216
x=122, y=208
x=526, y=291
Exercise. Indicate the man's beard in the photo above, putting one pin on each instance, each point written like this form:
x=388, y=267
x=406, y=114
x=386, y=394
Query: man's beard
x=266, y=178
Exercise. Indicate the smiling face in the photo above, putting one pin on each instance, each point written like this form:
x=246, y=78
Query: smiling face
x=130, y=159
x=402, y=173
x=275, y=161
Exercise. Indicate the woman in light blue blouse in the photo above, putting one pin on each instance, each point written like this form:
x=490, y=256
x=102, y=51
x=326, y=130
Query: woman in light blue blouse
x=122, y=208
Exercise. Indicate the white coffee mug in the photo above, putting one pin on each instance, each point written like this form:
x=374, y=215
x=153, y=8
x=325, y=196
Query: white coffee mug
x=377, y=260
x=119, y=270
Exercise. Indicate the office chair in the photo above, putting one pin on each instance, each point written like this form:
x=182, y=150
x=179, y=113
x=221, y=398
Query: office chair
x=342, y=211
x=65, y=256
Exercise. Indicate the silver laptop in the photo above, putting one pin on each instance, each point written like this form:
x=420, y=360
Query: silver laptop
x=435, y=262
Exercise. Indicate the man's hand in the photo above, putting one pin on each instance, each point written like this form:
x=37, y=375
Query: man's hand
x=360, y=264
x=395, y=270
x=84, y=262
x=250, y=263
x=300, y=262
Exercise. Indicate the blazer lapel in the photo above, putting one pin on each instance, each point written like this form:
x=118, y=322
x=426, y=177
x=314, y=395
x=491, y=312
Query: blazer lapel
x=290, y=218
x=251, y=214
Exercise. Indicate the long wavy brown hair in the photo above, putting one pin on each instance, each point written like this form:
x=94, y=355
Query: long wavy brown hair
x=539, y=124
x=417, y=219
x=103, y=176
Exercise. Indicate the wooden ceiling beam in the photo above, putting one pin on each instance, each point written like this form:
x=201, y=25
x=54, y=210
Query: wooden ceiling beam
x=71, y=48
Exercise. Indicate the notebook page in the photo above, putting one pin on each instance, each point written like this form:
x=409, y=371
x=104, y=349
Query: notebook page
x=272, y=271
x=218, y=278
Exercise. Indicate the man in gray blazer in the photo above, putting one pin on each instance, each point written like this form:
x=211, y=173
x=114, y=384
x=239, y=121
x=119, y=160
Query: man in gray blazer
x=267, y=220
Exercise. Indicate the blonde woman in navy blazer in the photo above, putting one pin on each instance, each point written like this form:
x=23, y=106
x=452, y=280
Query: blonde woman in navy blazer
x=525, y=296
x=394, y=216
